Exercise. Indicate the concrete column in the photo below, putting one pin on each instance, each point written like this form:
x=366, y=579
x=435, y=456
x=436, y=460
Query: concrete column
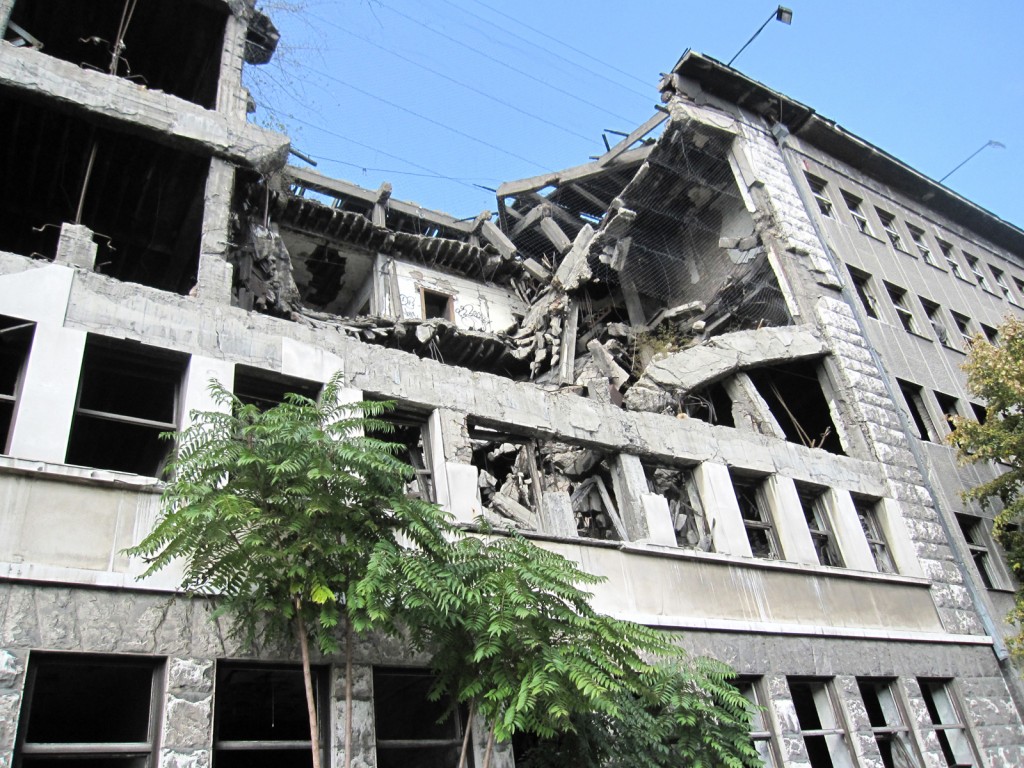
x=231, y=95
x=187, y=727
x=435, y=457
x=195, y=389
x=5, y=14
x=714, y=485
x=788, y=516
x=897, y=537
x=49, y=389
x=842, y=517
x=76, y=247
x=13, y=664
x=629, y=483
x=213, y=281
x=556, y=515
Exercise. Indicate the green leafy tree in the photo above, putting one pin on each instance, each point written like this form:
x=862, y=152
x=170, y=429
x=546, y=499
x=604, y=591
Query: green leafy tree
x=275, y=514
x=515, y=637
x=996, y=374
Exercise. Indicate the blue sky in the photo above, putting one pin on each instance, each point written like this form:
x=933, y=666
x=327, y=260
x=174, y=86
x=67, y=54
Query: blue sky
x=439, y=96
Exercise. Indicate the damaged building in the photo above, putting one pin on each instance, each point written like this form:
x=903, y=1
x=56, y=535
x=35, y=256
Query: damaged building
x=713, y=365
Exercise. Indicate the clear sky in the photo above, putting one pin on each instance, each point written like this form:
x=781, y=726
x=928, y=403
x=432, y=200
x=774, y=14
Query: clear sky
x=438, y=96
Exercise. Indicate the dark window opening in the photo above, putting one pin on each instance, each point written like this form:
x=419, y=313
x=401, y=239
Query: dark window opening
x=812, y=502
x=947, y=721
x=440, y=305
x=127, y=397
x=867, y=514
x=326, y=267
x=862, y=285
x=760, y=730
x=144, y=201
x=973, y=529
x=757, y=519
x=88, y=710
x=160, y=51
x=912, y=396
x=265, y=389
x=261, y=718
x=822, y=731
x=689, y=521
x=509, y=475
x=948, y=406
x=980, y=412
x=898, y=296
x=934, y=314
x=409, y=431
x=963, y=325
x=991, y=334
x=711, y=404
x=15, y=342
x=414, y=731
x=888, y=723
x=794, y=396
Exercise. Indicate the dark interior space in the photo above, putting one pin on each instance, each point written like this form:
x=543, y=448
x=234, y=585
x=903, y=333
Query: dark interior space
x=170, y=45
x=144, y=200
x=413, y=731
x=265, y=389
x=15, y=341
x=794, y=396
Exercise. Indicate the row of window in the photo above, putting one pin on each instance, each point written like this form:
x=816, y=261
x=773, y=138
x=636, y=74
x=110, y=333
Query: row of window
x=921, y=245
x=965, y=327
x=105, y=711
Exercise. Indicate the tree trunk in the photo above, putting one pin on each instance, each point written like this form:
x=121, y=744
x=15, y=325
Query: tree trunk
x=348, y=692
x=307, y=678
x=490, y=746
x=465, y=736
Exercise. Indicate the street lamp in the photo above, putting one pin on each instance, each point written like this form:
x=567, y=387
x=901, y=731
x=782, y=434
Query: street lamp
x=989, y=143
x=785, y=15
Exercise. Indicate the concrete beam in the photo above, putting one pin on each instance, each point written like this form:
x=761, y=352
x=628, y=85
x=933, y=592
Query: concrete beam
x=130, y=107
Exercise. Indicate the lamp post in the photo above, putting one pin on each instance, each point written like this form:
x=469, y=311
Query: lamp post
x=785, y=15
x=989, y=143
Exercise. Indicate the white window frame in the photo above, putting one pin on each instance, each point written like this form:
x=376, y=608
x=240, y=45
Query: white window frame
x=974, y=264
x=833, y=730
x=763, y=736
x=946, y=713
x=898, y=297
x=894, y=730
x=855, y=206
x=819, y=188
x=868, y=515
x=889, y=226
x=756, y=513
x=950, y=257
x=917, y=235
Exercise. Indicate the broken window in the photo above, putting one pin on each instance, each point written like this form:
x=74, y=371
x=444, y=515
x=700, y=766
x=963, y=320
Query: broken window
x=949, y=407
x=1020, y=286
x=677, y=485
x=918, y=236
x=89, y=710
x=760, y=728
x=820, y=191
x=757, y=518
x=963, y=325
x=820, y=723
x=867, y=514
x=508, y=476
x=127, y=396
x=413, y=728
x=947, y=721
x=143, y=200
x=951, y=262
x=976, y=536
x=856, y=208
x=15, y=342
x=592, y=496
x=440, y=305
x=889, y=225
x=795, y=397
x=265, y=389
x=157, y=49
x=1004, y=287
x=861, y=284
x=913, y=397
x=409, y=429
x=261, y=718
x=812, y=502
x=888, y=722
x=898, y=296
x=975, y=266
x=934, y=314
x=711, y=404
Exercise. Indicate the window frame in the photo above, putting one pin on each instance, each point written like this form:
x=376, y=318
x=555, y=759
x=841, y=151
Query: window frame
x=898, y=297
x=917, y=410
x=974, y=265
x=888, y=221
x=890, y=731
x=941, y=728
x=977, y=540
x=1004, y=287
x=824, y=693
x=933, y=312
x=18, y=336
x=855, y=205
x=449, y=310
x=813, y=503
x=963, y=325
x=459, y=730
x=917, y=236
x=819, y=189
x=750, y=497
x=862, y=287
x=752, y=688
x=870, y=522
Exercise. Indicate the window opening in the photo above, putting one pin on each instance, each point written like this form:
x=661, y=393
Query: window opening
x=862, y=285
x=15, y=342
x=949, y=407
x=918, y=236
x=991, y=334
x=93, y=710
x=508, y=476
x=265, y=389
x=856, y=208
x=975, y=266
x=980, y=412
x=261, y=718
x=1020, y=286
x=945, y=713
x=1004, y=287
x=711, y=404
x=821, y=197
x=812, y=502
x=934, y=314
x=822, y=731
x=867, y=514
x=963, y=325
x=760, y=730
x=951, y=262
x=411, y=432
x=912, y=395
x=973, y=529
x=127, y=396
x=677, y=485
x=898, y=296
x=757, y=519
x=796, y=399
x=888, y=722
x=413, y=729
x=889, y=225
x=439, y=305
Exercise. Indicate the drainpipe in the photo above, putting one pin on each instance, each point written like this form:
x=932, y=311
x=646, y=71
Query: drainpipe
x=781, y=135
